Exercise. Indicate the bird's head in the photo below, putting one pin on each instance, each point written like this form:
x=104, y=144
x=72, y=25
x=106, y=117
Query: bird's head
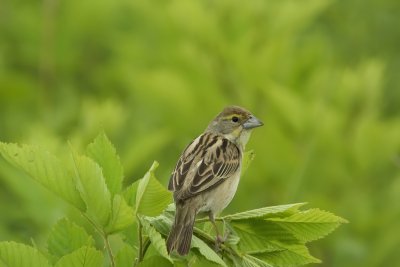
x=235, y=124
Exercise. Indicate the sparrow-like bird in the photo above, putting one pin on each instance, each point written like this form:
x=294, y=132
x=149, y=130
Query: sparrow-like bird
x=207, y=174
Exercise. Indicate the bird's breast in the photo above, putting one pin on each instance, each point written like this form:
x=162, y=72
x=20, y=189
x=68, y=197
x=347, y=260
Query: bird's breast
x=218, y=198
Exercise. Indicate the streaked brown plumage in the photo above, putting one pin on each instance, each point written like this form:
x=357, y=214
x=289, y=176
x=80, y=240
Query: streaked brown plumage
x=206, y=176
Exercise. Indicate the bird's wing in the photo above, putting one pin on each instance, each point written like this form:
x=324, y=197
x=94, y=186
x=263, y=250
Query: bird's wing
x=204, y=164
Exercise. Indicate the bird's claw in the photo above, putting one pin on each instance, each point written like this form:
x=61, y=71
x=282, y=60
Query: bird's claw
x=219, y=240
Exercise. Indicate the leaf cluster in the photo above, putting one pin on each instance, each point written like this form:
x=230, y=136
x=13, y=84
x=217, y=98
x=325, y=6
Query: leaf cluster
x=133, y=222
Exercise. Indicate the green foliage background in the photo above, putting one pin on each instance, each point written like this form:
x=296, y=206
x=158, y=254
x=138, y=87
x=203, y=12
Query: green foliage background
x=322, y=75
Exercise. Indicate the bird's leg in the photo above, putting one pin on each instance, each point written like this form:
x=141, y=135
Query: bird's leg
x=226, y=230
x=219, y=239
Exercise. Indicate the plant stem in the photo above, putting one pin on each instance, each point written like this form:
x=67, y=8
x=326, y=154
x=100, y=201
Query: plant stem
x=143, y=244
x=140, y=230
x=104, y=236
x=146, y=245
x=109, y=251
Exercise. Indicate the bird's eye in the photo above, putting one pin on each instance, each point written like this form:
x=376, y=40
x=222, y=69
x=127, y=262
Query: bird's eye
x=235, y=119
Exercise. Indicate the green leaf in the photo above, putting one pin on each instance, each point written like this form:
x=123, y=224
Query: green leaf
x=195, y=259
x=250, y=261
x=258, y=235
x=273, y=211
x=19, y=255
x=125, y=257
x=130, y=193
x=162, y=223
x=260, y=227
x=156, y=239
x=66, y=237
x=45, y=169
x=292, y=255
x=122, y=215
x=130, y=235
x=151, y=197
x=310, y=225
x=155, y=261
x=103, y=152
x=206, y=251
x=232, y=239
x=83, y=257
x=93, y=189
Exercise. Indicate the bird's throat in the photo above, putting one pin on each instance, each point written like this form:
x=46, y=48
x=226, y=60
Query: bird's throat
x=239, y=136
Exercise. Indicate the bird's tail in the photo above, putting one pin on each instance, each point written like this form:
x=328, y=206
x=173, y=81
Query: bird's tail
x=180, y=237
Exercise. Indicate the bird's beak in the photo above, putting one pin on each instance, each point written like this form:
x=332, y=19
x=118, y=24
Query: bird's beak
x=252, y=122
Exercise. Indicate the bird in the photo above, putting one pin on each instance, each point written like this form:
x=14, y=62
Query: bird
x=207, y=174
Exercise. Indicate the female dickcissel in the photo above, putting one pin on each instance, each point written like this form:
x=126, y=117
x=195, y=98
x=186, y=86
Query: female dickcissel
x=207, y=174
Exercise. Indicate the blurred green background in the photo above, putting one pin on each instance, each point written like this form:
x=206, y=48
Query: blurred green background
x=323, y=75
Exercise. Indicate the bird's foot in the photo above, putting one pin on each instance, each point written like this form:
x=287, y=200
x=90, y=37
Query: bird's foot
x=220, y=240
